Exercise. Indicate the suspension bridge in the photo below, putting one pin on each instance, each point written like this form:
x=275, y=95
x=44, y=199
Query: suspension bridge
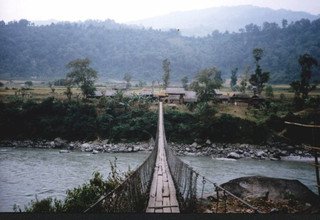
x=163, y=183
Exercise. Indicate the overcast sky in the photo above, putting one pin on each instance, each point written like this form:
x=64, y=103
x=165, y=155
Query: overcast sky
x=128, y=10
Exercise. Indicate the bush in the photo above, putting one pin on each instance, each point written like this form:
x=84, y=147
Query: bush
x=269, y=91
x=80, y=198
x=276, y=123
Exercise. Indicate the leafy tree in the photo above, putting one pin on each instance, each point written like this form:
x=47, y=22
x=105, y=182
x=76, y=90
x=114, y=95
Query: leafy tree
x=68, y=92
x=127, y=77
x=28, y=83
x=206, y=82
x=141, y=83
x=1, y=84
x=269, y=91
x=83, y=75
x=234, y=78
x=184, y=82
x=166, y=72
x=61, y=82
x=51, y=85
x=259, y=78
x=284, y=23
x=302, y=87
x=244, y=80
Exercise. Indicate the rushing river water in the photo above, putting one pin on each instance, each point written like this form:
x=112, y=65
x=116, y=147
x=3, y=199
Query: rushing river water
x=25, y=173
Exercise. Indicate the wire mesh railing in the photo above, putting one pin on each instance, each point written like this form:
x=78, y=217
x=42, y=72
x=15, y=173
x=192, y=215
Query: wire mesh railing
x=132, y=194
x=192, y=187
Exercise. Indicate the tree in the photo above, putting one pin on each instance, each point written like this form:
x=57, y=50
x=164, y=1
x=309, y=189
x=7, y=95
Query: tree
x=284, y=23
x=68, y=92
x=234, y=78
x=1, y=84
x=184, y=82
x=302, y=87
x=127, y=77
x=51, y=85
x=259, y=78
x=28, y=83
x=206, y=82
x=269, y=91
x=166, y=72
x=82, y=75
x=244, y=80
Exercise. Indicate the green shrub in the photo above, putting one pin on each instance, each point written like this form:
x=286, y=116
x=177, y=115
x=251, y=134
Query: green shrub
x=80, y=198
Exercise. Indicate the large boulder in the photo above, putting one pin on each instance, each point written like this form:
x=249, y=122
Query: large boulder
x=59, y=143
x=273, y=189
x=233, y=155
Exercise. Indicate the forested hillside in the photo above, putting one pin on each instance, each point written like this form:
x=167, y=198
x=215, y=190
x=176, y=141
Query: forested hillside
x=204, y=21
x=27, y=50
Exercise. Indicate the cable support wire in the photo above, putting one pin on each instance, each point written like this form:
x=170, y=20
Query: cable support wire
x=191, y=185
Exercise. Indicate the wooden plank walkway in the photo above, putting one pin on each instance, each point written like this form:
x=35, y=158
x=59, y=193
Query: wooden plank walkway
x=162, y=198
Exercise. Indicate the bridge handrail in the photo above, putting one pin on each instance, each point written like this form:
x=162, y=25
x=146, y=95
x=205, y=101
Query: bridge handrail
x=216, y=186
x=119, y=187
x=186, y=201
x=146, y=168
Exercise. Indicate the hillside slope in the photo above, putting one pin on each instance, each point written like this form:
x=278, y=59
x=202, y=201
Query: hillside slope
x=43, y=51
x=205, y=21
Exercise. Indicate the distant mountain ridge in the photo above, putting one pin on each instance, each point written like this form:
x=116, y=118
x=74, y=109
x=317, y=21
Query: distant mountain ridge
x=28, y=51
x=205, y=21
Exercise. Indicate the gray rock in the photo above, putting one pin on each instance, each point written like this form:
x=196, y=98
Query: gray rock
x=64, y=151
x=59, y=143
x=233, y=155
x=189, y=154
x=89, y=149
x=95, y=152
x=85, y=145
x=274, y=158
x=261, y=154
x=198, y=147
x=290, y=147
x=71, y=146
x=188, y=149
x=273, y=189
x=194, y=144
x=208, y=142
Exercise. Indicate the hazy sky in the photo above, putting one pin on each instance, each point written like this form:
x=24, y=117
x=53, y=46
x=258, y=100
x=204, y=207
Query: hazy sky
x=128, y=10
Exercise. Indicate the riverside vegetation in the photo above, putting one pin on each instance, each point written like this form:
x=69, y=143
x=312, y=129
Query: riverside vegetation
x=125, y=121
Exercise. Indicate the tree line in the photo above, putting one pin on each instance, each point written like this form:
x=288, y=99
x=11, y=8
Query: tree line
x=28, y=50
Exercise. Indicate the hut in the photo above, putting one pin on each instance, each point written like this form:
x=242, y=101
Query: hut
x=175, y=95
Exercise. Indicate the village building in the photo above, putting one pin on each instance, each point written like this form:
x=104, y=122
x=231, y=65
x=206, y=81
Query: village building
x=110, y=93
x=147, y=93
x=97, y=94
x=190, y=97
x=175, y=95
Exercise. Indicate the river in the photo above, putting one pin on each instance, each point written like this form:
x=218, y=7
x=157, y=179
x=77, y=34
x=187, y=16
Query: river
x=25, y=173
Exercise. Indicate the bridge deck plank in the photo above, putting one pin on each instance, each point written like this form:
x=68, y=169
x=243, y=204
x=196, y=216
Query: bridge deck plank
x=162, y=198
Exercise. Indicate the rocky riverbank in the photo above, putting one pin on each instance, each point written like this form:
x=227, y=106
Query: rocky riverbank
x=98, y=146
x=274, y=151
x=234, y=151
